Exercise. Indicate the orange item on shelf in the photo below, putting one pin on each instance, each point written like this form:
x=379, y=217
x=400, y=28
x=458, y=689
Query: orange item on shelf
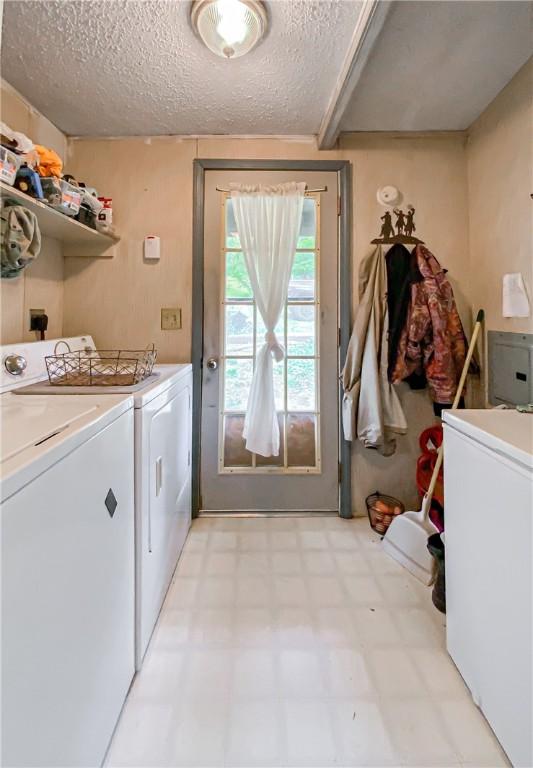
x=50, y=164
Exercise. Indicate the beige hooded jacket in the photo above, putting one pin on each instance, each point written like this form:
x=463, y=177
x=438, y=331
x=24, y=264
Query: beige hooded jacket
x=371, y=409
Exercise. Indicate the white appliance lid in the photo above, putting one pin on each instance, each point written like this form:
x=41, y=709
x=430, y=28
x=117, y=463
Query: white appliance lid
x=506, y=431
x=168, y=374
x=40, y=430
x=30, y=421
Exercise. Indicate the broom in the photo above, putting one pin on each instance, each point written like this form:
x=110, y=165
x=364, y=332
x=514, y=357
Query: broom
x=407, y=535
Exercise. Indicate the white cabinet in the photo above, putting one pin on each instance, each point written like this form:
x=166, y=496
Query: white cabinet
x=489, y=576
x=68, y=604
x=163, y=499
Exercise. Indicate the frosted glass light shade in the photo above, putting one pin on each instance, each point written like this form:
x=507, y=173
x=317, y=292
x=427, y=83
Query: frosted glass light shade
x=229, y=28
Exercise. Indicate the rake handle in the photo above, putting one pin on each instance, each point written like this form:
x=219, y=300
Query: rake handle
x=457, y=398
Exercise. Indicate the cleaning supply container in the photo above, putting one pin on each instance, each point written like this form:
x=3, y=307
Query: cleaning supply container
x=61, y=195
x=9, y=165
x=106, y=212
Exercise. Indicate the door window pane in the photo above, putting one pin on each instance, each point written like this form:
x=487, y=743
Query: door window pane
x=232, y=236
x=274, y=461
x=235, y=453
x=278, y=371
x=239, y=329
x=303, y=276
x=301, y=385
x=301, y=441
x=296, y=376
x=237, y=380
x=307, y=236
x=237, y=280
x=300, y=329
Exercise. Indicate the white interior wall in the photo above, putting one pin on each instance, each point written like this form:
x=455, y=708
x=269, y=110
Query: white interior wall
x=500, y=184
x=449, y=179
x=119, y=300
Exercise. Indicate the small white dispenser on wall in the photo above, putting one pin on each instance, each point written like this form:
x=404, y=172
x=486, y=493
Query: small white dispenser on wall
x=152, y=248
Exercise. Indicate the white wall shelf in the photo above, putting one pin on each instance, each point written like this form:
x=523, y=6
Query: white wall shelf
x=77, y=238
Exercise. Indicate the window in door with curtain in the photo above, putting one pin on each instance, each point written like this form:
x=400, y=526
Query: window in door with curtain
x=296, y=377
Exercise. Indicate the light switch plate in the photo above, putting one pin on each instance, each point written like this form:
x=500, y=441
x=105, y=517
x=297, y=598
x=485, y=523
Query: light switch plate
x=170, y=318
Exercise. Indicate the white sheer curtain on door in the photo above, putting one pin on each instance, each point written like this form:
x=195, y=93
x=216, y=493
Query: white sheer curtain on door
x=268, y=222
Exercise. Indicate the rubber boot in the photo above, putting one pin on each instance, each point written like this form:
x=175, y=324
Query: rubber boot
x=436, y=549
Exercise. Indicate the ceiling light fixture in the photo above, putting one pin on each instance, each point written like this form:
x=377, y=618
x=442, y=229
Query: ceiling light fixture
x=229, y=28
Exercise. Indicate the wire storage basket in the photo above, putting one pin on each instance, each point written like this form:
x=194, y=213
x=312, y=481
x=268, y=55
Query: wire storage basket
x=382, y=510
x=100, y=367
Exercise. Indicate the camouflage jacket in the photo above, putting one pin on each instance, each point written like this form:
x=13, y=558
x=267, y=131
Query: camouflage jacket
x=432, y=345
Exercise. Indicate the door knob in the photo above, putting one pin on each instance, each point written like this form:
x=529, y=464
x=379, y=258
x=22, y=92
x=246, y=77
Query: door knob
x=212, y=364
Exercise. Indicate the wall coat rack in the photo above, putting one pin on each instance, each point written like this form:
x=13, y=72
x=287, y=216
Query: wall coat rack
x=400, y=231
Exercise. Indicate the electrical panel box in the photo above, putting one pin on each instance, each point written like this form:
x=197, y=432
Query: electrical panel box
x=510, y=357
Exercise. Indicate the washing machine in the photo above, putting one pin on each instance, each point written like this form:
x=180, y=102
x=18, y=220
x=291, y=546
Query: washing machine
x=67, y=569
x=162, y=468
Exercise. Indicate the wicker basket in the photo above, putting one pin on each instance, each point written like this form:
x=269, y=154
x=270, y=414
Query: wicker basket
x=382, y=510
x=99, y=367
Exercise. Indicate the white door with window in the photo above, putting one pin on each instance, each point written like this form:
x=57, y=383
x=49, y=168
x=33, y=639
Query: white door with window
x=304, y=476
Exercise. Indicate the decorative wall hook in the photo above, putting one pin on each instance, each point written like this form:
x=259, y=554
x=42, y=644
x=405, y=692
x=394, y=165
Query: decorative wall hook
x=404, y=226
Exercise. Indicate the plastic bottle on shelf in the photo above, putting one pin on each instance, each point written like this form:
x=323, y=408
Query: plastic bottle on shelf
x=106, y=213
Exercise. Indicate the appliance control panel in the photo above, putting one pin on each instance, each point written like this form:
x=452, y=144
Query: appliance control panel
x=25, y=363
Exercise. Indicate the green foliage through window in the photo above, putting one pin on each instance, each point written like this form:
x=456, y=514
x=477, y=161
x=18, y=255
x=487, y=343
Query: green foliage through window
x=237, y=280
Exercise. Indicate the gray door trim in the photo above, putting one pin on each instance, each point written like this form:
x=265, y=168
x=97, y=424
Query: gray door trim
x=343, y=170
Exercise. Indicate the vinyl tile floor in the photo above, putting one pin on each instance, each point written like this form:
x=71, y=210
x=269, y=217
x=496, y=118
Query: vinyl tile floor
x=298, y=642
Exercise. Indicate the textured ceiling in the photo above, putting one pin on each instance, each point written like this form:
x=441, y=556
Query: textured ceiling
x=134, y=67
x=117, y=67
x=437, y=65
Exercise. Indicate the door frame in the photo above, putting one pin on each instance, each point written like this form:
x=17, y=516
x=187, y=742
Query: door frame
x=344, y=186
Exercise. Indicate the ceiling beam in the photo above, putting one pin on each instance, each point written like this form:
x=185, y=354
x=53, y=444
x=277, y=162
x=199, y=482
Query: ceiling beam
x=367, y=29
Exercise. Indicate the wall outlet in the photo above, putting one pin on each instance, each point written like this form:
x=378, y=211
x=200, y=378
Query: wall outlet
x=170, y=318
x=35, y=313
